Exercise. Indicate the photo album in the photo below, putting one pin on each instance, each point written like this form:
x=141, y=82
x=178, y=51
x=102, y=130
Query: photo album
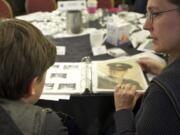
x=95, y=76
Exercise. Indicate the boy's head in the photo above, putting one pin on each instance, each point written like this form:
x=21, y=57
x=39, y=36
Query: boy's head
x=25, y=55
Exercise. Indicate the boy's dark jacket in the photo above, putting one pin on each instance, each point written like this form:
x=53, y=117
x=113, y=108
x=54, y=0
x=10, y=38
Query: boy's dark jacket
x=19, y=118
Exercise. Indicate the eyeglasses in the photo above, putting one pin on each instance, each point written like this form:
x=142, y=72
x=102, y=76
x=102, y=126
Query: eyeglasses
x=151, y=15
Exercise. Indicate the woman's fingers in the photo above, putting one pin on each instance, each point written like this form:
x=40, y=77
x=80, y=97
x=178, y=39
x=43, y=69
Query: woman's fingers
x=124, y=96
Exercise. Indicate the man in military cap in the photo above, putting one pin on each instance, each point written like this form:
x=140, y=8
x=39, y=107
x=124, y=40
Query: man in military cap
x=116, y=74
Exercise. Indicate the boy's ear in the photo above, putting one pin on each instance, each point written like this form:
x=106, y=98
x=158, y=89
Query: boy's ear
x=32, y=87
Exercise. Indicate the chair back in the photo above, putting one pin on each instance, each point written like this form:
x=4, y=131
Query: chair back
x=105, y=3
x=40, y=5
x=5, y=9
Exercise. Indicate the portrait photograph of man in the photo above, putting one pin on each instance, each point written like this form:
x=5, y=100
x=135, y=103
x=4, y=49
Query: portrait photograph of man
x=110, y=73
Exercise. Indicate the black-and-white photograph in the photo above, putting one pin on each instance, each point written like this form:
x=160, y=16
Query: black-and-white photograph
x=58, y=75
x=69, y=86
x=70, y=67
x=55, y=66
x=48, y=86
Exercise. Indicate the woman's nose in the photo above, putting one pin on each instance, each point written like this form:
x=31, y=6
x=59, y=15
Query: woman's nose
x=147, y=25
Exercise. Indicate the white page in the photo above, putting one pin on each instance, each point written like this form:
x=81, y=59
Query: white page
x=64, y=78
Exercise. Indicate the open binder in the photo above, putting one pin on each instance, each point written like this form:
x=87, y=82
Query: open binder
x=94, y=76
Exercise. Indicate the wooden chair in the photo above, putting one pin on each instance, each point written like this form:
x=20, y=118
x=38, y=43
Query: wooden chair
x=40, y=5
x=5, y=9
x=105, y=3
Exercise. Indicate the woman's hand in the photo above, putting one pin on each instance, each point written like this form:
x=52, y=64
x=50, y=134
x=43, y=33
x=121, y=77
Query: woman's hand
x=151, y=66
x=125, y=96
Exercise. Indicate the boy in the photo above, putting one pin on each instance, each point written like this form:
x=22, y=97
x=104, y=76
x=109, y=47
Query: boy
x=25, y=56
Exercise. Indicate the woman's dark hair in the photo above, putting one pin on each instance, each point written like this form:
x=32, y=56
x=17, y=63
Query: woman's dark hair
x=24, y=54
x=175, y=2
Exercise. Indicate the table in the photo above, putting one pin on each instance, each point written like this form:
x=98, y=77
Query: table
x=88, y=111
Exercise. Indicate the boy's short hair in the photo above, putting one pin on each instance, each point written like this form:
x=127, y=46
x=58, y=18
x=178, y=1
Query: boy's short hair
x=24, y=54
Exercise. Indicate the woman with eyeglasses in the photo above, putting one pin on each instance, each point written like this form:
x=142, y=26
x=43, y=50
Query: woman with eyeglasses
x=159, y=113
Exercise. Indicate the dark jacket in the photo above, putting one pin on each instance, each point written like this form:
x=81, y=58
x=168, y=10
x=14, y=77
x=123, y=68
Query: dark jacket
x=27, y=119
x=140, y=6
x=159, y=113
